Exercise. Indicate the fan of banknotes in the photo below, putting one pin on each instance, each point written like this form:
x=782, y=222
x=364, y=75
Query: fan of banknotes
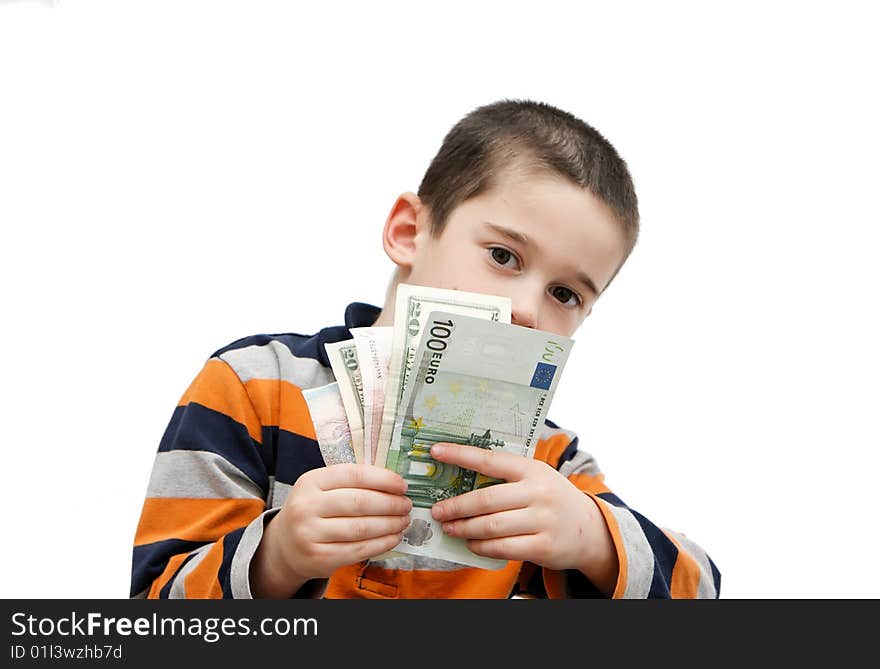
x=451, y=369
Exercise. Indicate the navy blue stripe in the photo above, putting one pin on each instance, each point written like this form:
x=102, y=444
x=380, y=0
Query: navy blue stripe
x=716, y=577
x=194, y=427
x=580, y=587
x=165, y=592
x=611, y=498
x=295, y=456
x=357, y=314
x=269, y=448
x=665, y=554
x=149, y=561
x=224, y=574
x=535, y=586
x=568, y=453
x=289, y=339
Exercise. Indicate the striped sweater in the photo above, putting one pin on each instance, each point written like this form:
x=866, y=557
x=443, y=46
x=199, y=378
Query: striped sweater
x=240, y=437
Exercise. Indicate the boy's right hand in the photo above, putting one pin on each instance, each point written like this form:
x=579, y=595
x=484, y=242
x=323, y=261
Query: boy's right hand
x=333, y=516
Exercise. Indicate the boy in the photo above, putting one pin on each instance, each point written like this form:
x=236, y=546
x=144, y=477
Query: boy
x=523, y=200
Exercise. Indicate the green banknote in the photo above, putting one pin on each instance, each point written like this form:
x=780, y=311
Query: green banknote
x=475, y=382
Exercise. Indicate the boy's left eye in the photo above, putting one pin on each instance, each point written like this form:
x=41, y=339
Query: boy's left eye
x=565, y=296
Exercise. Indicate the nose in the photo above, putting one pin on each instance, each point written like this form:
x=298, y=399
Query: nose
x=524, y=311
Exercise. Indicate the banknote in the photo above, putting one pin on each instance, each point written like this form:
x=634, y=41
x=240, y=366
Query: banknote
x=476, y=382
x=411, y=309
x=373, y=346
x=346, y=368
x=331, y=423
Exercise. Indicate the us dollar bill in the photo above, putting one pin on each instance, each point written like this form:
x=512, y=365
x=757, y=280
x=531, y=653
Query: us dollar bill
x=412, y=307
x=331, y=423
x=346, y=368
x=479, y=383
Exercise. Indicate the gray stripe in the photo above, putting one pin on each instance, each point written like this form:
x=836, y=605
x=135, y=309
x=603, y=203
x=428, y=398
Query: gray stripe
x=581, y=463
x=279, y=492
x=177, y=584
x=639, y=556
x=403, y=562
x=706, y=587
x=199, y=474
x=142, y=594
x=275, y=361
x=239, y=576
x=240, y=568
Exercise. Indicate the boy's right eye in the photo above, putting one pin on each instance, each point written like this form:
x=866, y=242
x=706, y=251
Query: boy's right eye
x=502, y=257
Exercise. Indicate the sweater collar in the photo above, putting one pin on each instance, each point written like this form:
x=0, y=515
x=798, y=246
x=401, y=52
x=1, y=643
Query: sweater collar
x=361, y=315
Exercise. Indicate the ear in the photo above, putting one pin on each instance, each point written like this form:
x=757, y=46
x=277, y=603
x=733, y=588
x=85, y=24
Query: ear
x=406, y=223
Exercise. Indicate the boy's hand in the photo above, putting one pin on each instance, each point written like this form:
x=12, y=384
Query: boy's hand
x=333, y=516
x=538, y=515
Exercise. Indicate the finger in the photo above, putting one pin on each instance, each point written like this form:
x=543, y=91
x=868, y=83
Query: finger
x=355, y=551
x=495, y=498
x=360, y=529
x=493, y=526
x=497, y=464
x=350, y=475
x=522, y=547
x=362, y=502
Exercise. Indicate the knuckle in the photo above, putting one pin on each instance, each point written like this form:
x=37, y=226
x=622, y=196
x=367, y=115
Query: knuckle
x=357, y=476
x=485, y=458
x=357, y=501
x=359, y=529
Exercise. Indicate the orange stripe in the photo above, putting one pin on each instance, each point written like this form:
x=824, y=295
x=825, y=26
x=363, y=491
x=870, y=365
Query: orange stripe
x=356, y=582
x=281, y=403
x=193, y=519
x=685, y=574
x=590, y=484
x=554, y=584
x=614, y=528
x=165, y=576
x=549, y=450
x=202, y=582
x=218, y=387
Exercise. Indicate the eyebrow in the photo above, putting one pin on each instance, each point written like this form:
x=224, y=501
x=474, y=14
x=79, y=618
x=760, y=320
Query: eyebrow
x=523, y=239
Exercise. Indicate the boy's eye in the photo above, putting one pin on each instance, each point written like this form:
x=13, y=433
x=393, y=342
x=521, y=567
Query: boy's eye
x=565, y=295
x=502, y=256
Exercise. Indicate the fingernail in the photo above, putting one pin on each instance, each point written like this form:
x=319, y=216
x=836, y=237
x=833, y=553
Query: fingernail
x=437, y=449
x=437, y=511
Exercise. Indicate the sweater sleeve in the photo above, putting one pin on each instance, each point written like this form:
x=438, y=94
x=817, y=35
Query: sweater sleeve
x=653, y=562
x=206, y=502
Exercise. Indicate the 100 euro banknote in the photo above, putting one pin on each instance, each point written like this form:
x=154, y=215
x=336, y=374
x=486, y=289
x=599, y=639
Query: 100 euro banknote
x=475, y=382
x=413, y=304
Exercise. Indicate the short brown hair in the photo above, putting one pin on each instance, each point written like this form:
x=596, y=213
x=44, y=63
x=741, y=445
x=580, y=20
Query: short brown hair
x=535, y=135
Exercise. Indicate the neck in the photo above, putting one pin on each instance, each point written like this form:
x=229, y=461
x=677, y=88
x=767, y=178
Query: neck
x=386, y=316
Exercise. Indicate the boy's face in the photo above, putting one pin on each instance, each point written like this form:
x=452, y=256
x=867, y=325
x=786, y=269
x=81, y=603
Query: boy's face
x=543, y=242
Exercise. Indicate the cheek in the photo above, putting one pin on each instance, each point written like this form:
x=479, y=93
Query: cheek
x=559, y=322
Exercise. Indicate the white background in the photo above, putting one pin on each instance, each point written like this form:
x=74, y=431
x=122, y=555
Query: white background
x=176, y=175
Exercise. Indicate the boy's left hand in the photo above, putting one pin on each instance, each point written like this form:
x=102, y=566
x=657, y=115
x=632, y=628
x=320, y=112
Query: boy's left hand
x=537, y=515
